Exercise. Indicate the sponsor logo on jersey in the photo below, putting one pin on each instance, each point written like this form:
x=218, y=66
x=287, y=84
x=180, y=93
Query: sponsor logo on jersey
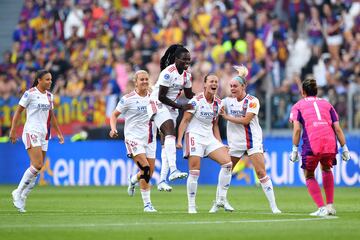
x=141, y=108
x=43, y=106
x=236, y=112
x=207, y=115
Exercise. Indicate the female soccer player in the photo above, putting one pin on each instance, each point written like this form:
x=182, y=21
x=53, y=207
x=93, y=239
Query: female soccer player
x=39, y=105
x=320, y=124
x=244, y=132
x=203, y=139
x=163, y=108
x=140, y=135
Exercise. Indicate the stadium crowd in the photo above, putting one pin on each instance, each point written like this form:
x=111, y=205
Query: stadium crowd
x=93, y=47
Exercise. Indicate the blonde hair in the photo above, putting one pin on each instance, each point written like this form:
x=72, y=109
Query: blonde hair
x=242, y=73
x=137, y=73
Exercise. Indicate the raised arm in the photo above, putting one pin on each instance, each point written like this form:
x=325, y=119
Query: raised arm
x=182, y=127
x=14, y=123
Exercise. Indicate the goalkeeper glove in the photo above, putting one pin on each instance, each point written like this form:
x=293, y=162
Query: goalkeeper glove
x=294, y=156
x=345, y=153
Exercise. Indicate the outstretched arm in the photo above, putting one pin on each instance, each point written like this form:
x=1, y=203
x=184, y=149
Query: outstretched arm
x=14, y=123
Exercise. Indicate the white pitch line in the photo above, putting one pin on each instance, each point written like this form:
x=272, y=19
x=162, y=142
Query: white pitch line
x=92, y=225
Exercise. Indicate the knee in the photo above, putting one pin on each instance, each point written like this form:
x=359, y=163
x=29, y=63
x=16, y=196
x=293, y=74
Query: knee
x=309, y=175
x=145, y=173
x=227, y=166
x=260, y=173
x=38, y=166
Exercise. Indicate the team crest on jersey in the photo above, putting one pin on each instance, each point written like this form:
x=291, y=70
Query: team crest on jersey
x=252, y=105
x=215, y=108
x=26, y=94
x=122, y=101
x=193, y=103
x=167, y=76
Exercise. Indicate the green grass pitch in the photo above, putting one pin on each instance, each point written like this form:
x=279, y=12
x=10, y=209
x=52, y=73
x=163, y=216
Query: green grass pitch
x=109, y=213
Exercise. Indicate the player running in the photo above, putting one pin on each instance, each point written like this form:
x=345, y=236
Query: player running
x=140, y=135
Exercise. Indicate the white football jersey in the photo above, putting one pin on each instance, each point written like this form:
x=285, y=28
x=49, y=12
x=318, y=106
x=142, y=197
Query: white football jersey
x=204, y=115
x=38, y=106
x=137, y=124
x=170, y=77
x=243, y=137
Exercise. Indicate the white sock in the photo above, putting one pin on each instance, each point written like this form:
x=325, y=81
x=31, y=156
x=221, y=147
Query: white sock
x=29, y=188
x=268, y=189
x=223, y=181
x=134, y=179
x=164, y=166
x=145, y=194
x=170, y=150
x=28, y=176
x=191, y=186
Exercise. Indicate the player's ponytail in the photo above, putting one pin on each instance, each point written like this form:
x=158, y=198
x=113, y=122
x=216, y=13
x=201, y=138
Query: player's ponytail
x=309, y=86
x=242, y=74
x=169, y=56
x=39, y=75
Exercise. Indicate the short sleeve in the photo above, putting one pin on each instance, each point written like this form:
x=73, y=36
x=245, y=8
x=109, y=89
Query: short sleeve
x=333, y=114
x=165, y=78
x=253, y=106
x=122, y=105
x=294, y=114
x=224, y=104
x=51, y=101
x=25, y=99
x=188, y=82
x=195, y=103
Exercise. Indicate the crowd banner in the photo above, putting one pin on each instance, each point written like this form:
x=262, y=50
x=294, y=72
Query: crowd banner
x=106, y=163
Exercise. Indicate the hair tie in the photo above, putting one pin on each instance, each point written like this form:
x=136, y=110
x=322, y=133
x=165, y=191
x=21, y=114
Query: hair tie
x=240, y=79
